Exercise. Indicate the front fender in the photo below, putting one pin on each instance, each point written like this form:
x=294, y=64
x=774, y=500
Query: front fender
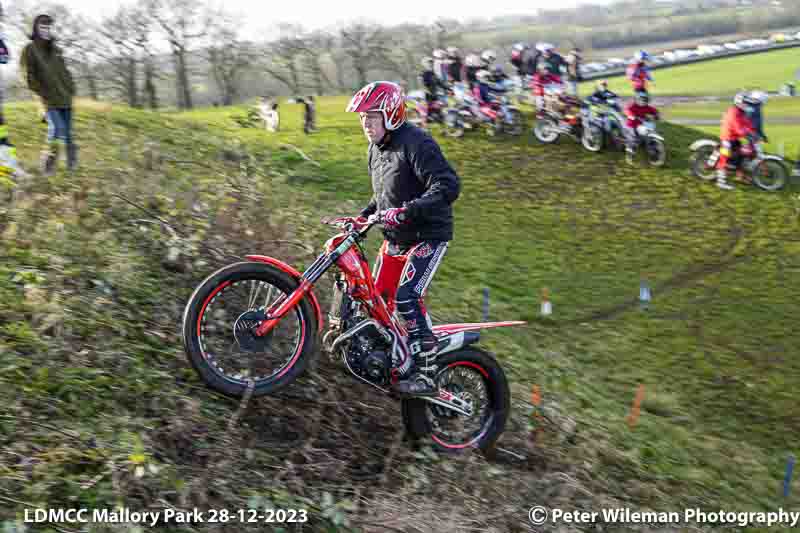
x=277, y=263
x=700, y=143
x=656, y=136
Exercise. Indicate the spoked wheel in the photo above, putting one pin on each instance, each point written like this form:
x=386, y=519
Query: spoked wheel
x=515, y=125
x=219, y=325
x=592, y=139
x=616, y=137
x=770, y=174
x=656, y=151
x=700, y=163
x=546, y=130
x=474, y=377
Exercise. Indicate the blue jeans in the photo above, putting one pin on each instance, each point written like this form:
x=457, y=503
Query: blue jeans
x=59, y=124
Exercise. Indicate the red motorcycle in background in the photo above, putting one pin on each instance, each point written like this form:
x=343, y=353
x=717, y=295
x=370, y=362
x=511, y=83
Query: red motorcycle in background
x=256, y=324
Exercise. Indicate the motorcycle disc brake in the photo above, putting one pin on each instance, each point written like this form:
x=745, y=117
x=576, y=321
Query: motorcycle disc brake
x=244, y=331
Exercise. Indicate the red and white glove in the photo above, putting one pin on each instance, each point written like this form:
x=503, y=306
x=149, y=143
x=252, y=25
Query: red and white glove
x=394, y=217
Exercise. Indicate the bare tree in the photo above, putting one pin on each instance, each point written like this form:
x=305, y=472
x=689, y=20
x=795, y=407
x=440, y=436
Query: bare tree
x=122, y=53
x=228, y=58
x=318, y=47
x=285, y=55
x=184, y=23
x=368, y=48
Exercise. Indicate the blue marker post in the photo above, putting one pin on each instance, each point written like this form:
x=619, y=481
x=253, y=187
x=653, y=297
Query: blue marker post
x=787, y=481
x=644, y=294
x=485, y=304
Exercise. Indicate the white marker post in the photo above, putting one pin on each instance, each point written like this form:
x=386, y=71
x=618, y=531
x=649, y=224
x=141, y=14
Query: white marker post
x=547, y=307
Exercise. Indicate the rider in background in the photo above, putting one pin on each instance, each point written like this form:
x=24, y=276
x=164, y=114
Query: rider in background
x=602, y=94
x=414, y=189
x=757, y=101
x=736, y=125
x=518, y=59
x=440, y=65
x=547, y=55
x=542, y=80
x=431, y=84
x=573, y=71
x=455, y=65
x=472, y=64
x=638, y=71
x=637, y=111
x=482, y=94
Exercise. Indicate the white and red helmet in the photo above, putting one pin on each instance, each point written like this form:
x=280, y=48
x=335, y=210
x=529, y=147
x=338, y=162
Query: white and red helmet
x=383, y=96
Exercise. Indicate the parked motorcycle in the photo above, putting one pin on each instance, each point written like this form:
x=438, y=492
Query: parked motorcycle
x=768, y=172
x=255, y=325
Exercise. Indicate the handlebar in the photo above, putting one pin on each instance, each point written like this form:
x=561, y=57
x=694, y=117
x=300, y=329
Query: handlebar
x=354, y=224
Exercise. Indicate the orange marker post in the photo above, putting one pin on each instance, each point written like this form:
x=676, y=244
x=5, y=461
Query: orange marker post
x=547, y=307
x=633, y=417
x=536, y=400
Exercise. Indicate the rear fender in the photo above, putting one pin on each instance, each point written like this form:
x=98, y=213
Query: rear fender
x=703, y=143
x=288, y=269
x=454, y=336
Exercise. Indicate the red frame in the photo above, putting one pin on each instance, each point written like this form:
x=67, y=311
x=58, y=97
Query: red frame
x=360, y=285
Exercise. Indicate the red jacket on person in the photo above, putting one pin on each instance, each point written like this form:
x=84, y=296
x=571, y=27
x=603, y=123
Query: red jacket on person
x=735, y=125
x=540, y=81
x=639, y=75
x=635, y=113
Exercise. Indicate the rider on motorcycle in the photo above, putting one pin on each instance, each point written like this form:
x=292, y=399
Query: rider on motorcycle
x=472, y=64
x=440, y=64
x=455, y=65
x=518, y=58
x=637, y=111
x=736, y=125
x=602, y=94
x=638, y=71
x=431, y=84
x=542, y=80
x=482, y=94
x=414, y=188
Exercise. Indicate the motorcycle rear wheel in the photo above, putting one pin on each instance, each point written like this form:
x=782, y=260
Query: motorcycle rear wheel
x=475, y=376
x=770, y=175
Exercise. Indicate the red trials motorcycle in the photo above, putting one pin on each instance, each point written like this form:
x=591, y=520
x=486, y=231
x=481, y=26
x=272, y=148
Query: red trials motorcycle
x=258, y=321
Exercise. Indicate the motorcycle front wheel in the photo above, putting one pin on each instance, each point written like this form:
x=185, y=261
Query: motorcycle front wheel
x=699, y=164
x=770, y=175
x=218, y=330
x=656, y=151
x=546, y=130
x=592, y=139
x=475, y=377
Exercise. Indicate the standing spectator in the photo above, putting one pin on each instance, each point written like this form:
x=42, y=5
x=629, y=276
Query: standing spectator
x=47, y=75
x=309, y=114
x=573, y=62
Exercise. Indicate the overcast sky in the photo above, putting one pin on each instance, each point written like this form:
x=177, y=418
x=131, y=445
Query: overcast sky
x=260, y=16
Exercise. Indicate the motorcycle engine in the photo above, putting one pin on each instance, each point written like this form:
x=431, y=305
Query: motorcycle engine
x=369, y=357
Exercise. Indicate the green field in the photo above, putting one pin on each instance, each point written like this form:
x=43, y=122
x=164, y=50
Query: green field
x=765, y=71
x=101, y=408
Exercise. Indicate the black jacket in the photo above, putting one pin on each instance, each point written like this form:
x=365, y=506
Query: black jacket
x=409, y=170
